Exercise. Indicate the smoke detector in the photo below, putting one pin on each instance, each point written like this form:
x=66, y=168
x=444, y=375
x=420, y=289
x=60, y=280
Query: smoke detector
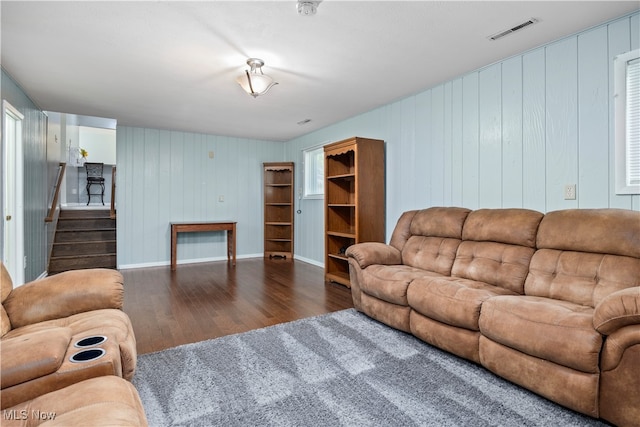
x=308, y=8
x=518, y=27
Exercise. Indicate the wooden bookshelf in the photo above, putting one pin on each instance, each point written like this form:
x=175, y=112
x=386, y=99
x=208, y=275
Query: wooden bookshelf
x=278, y=209
x=354, y=201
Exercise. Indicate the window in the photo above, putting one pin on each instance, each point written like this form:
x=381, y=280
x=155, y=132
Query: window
x=313, y=161
x=627, y=122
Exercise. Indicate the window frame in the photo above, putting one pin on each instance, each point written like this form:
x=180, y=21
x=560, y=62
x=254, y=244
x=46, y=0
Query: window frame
x=622, y=126
x=316, y=175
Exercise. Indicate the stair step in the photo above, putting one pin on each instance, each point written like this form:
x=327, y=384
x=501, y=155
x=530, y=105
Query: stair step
x=85, y=223
x=84, y=213
x=64, y=236
x=84, y=247
x=64, y=263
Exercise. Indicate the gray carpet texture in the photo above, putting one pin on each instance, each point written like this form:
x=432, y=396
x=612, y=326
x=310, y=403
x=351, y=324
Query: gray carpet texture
x=338, y=369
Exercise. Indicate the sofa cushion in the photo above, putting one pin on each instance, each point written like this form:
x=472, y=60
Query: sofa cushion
x=5, y=323
x=497, y=247
x=558, y=331
x=454, y=301
x=439, y=222
x=497, y=264
x=605, y=231
x=511, y=226
x=6, y=286
x=34, y=355
x=390, y=282
x=430, y=253
x=402, y=231
x=65, y=294
x=580, y=277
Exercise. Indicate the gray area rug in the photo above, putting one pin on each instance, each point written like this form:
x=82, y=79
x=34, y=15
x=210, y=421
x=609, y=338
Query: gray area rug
x=339, y=369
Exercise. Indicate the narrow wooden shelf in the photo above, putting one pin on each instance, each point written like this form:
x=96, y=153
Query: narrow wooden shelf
x=343, y=176
x=278, y=209
x=340, y=234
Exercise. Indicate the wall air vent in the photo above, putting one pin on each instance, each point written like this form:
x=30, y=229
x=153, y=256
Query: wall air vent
x=518, y=27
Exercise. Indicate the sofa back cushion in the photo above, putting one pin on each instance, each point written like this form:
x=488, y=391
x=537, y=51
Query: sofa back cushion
x=6, y=286
x=585, y=254
x=433, y=238
x=497, y=246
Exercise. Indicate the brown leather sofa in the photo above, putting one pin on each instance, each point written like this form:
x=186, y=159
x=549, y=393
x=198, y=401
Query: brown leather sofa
x=44, y=325
x=550, y=302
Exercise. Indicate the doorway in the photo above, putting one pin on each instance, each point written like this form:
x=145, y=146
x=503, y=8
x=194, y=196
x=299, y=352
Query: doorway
x=13, y=194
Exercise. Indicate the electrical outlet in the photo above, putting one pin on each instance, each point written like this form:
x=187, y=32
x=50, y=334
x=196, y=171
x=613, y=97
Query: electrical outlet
x=221, y=198
x=570, y=192
x=211, y=154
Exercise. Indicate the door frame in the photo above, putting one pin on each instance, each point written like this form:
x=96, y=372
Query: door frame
x=13, y=195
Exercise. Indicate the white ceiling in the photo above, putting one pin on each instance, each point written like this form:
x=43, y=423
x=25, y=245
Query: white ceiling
x=173, y=64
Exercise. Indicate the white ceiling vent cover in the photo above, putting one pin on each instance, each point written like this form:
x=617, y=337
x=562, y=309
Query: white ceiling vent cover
x=518, y=27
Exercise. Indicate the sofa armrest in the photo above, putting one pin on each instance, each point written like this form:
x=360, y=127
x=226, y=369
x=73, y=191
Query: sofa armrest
x=32, y=355
x=63, y=295
x=619, y=309
x=369, y=253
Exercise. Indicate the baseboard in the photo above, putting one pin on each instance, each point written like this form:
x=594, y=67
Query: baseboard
x=184, y=261
x=309, y=261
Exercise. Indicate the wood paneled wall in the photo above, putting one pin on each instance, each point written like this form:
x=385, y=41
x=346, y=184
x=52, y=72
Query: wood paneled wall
x=37, y=233
x=509, y=135
x=166, y=176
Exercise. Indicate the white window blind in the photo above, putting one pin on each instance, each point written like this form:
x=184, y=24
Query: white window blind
x=313, y=159
x=627, y=125
x=633, y=122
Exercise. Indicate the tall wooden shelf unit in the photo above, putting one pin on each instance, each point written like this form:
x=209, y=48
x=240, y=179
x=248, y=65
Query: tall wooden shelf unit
x=278, y=209
x=354, y=200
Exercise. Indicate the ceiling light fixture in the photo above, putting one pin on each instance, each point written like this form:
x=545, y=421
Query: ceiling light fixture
x=307, y=8
x=254, y=81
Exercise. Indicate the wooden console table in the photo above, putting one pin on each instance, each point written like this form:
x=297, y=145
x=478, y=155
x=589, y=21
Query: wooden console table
x=191, y=227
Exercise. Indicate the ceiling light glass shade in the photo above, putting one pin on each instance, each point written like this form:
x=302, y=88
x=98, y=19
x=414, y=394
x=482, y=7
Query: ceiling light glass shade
x=253, y=81
x=307, y=8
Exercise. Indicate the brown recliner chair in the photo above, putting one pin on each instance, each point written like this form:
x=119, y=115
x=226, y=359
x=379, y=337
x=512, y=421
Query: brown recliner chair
x=103, y=401
x=61, y=330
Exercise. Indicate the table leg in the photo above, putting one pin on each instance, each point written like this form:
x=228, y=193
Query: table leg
x=174, y=241
x=231, y=244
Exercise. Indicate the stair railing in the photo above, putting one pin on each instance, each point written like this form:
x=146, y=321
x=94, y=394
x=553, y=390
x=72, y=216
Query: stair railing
x=112, y=213
x=56, y=192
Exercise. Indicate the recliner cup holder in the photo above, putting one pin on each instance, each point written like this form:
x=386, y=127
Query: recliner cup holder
x=90, y=341
x=87, y=355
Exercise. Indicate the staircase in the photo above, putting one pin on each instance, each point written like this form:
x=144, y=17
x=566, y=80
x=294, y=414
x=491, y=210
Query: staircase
x=83, y=239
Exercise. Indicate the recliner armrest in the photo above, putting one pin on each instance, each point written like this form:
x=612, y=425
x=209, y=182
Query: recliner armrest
x=32, y=355
x=63, y=295
x=369, y=253
x=619, y=309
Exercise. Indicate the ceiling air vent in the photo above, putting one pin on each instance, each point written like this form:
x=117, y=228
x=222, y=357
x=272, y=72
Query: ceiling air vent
x=525, y=24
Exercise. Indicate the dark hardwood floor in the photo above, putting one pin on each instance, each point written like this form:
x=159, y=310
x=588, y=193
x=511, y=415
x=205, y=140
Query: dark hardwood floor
x=202, y=301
